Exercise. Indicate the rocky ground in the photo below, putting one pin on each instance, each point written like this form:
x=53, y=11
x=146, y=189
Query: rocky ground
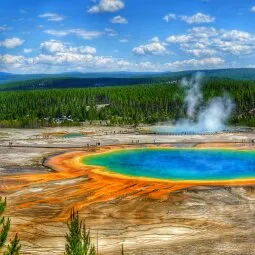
x=192, y=220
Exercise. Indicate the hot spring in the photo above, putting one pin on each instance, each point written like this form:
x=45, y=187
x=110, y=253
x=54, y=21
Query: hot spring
x=178, y=164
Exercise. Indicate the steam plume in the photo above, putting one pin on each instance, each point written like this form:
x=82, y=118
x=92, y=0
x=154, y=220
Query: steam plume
x=193, y=94
x=211, y=118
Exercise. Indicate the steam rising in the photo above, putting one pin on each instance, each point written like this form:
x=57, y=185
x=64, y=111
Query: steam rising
x=194, y=95
x=210, y=118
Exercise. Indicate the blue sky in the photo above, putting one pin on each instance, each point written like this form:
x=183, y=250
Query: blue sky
x=53, y=36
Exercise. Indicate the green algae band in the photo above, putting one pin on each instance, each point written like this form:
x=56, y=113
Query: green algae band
x=178, y=164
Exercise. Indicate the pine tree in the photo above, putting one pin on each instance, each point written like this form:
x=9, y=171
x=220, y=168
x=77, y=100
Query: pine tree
x=78, y=240
x=14, y=246
x=4, y=224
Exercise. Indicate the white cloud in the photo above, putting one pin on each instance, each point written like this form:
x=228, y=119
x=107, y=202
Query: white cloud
x=11, y=43
x=253, y=8
x=57, y=56
x=107, y=6
x=208, y=41
x=81, y=33
x=110, y=32
x=236, y=35
x=70, y=61
x=170, y=16
x=26, y=50
x=52, y=16
x=58, y=32
x=10, y=61
x=53, y=47
x=179, y=38
x=198, y=52
x=119, y=20
x=155, y=47
x=197, y=18
x=205, y=63
x=234, y=47
x=204, y=32
x=84, y=50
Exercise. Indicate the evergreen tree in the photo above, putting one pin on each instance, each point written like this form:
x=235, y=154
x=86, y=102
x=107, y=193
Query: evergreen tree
x=14, y=246
x=4, y=224
x=78, y=240
x=123, y=105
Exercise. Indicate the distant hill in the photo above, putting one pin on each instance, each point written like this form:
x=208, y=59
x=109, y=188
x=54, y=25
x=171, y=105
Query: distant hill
x=9, y=77
x=10, y=81
x=70, y=82
x=236, y=74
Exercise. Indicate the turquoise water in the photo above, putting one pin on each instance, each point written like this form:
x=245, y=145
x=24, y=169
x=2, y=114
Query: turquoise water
x=178, y=164
x=73, y=135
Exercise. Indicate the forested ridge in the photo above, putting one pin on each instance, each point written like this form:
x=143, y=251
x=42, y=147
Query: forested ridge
x=9, y=79
x=119, y=105
x=70, y=82
x=84, y=80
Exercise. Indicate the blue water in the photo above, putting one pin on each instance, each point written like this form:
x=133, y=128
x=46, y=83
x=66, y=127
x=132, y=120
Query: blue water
x=178, y=164
x=73, y=135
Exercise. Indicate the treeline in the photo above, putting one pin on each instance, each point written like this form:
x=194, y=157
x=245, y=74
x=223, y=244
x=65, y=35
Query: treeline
x=242, y=94
x=117, y=77
x=118, y=105
x=70, y=82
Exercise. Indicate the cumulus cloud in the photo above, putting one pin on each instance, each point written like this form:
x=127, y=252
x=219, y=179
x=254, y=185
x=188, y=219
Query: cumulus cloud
x=170, y=16
x=27, y=50
x=155, y=47
x=119, y=20
x=236, y=35
x=11, y=43
x=57, y=56
x=253, y=8
x=197, y=18
x=208, y=41
x=61, y=61
x=53, y=47
x=9, y=61
x=205, y=63
x=204, y=32
x=107, y=6
x=110, y=32
x=179, y=38
x=81, y=33
x=73, y=61
x=52, y=16
x=198, y=51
